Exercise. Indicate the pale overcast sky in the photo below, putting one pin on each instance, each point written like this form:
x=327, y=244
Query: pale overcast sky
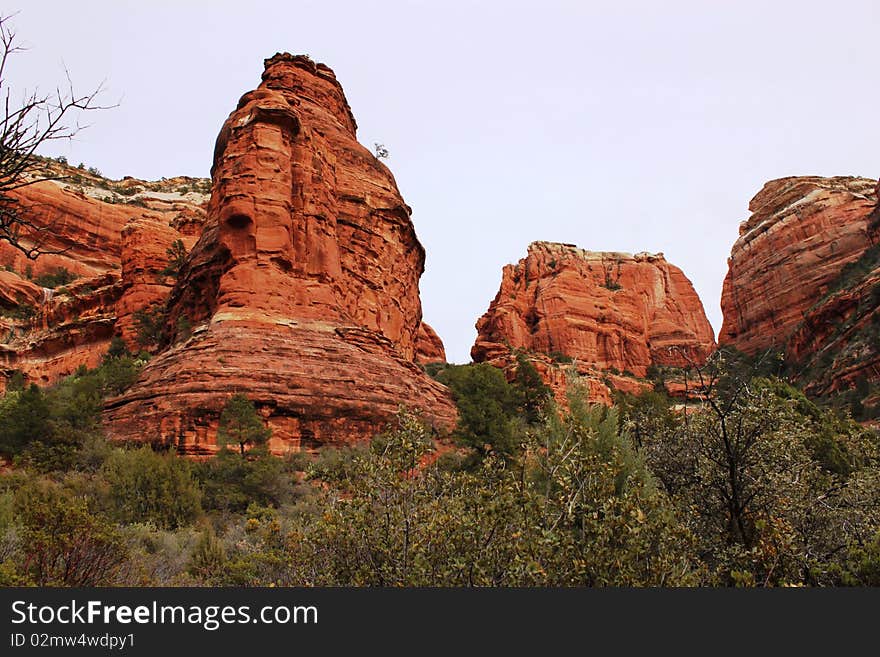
x=625, y=126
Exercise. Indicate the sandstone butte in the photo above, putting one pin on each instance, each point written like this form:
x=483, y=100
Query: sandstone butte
x=804, y=279
x=301, y=292
x=113, y=236
x=612, y=314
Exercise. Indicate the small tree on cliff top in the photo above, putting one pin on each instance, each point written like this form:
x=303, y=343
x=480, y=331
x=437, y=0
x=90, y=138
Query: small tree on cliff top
x=240, y=423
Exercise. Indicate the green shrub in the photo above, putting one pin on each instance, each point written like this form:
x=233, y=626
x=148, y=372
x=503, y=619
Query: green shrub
x=58, y=278
x=336, y=463
x=176, y=259
x=24, y=418
x=487, y=408
x=531, y=393
x=231, y=483
x=150, y=326
x=63, y=542
x=150, y=487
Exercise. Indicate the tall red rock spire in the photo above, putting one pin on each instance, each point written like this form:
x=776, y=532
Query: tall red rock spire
x=302, y=292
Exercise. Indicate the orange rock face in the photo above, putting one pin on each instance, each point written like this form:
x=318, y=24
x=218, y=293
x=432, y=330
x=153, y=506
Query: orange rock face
x=302, y=291
x=53, y=332
x=146, y=240
x=429, y=346
x=610, y=316
x=67, y=330
x=801, y=234
x=16, y=291
x=604, y=310
x=85, y=230
x=803, y=279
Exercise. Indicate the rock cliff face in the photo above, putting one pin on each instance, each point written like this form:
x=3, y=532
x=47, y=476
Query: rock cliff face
x=146, y=241
x=606, y=311
x=85, y=231
x=111, y=237
x=803, y=279
x=801, y=234
x=302, y=291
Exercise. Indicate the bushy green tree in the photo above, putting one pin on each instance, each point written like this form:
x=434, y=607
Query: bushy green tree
x=775, y=490
x=176, y=259
x=47, y=428
x=487, y=408
x=231, y=483
x=599, y=518
x=241, y=424
x=148, y=487
x=63, y=542
x=24, y=418
x=531, y=392
x=150, y=326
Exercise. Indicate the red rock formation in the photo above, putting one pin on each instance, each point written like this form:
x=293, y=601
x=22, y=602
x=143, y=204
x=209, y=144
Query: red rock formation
x=56, y=331
x=146, y=240
x=303, y=288
x=606, y=310
x=16, y=291
x=801, y=234
x=429, y=346
x=605, y=313
x=85, y=230
x=803, y=279
x=68, y=330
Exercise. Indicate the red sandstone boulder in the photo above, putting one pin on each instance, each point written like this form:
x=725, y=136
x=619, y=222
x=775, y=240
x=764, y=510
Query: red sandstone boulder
x=302, y=291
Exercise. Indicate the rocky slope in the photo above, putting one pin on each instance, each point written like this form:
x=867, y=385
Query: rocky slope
x=610, y=313
x=302, y=291
x=804, y=279
x=61, y=310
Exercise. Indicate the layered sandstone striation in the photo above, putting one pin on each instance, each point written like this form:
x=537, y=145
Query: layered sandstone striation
x=606, y=312
x=111, y=238
x=70, y=328
x=302, y=290
x=803, y=279
x=801, y=234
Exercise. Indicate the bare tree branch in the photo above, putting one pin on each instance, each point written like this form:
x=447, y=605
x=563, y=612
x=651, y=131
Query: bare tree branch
x=25, y=126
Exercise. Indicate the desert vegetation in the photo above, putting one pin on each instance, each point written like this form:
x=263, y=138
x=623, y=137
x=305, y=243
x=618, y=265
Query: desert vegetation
x=753, y=484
